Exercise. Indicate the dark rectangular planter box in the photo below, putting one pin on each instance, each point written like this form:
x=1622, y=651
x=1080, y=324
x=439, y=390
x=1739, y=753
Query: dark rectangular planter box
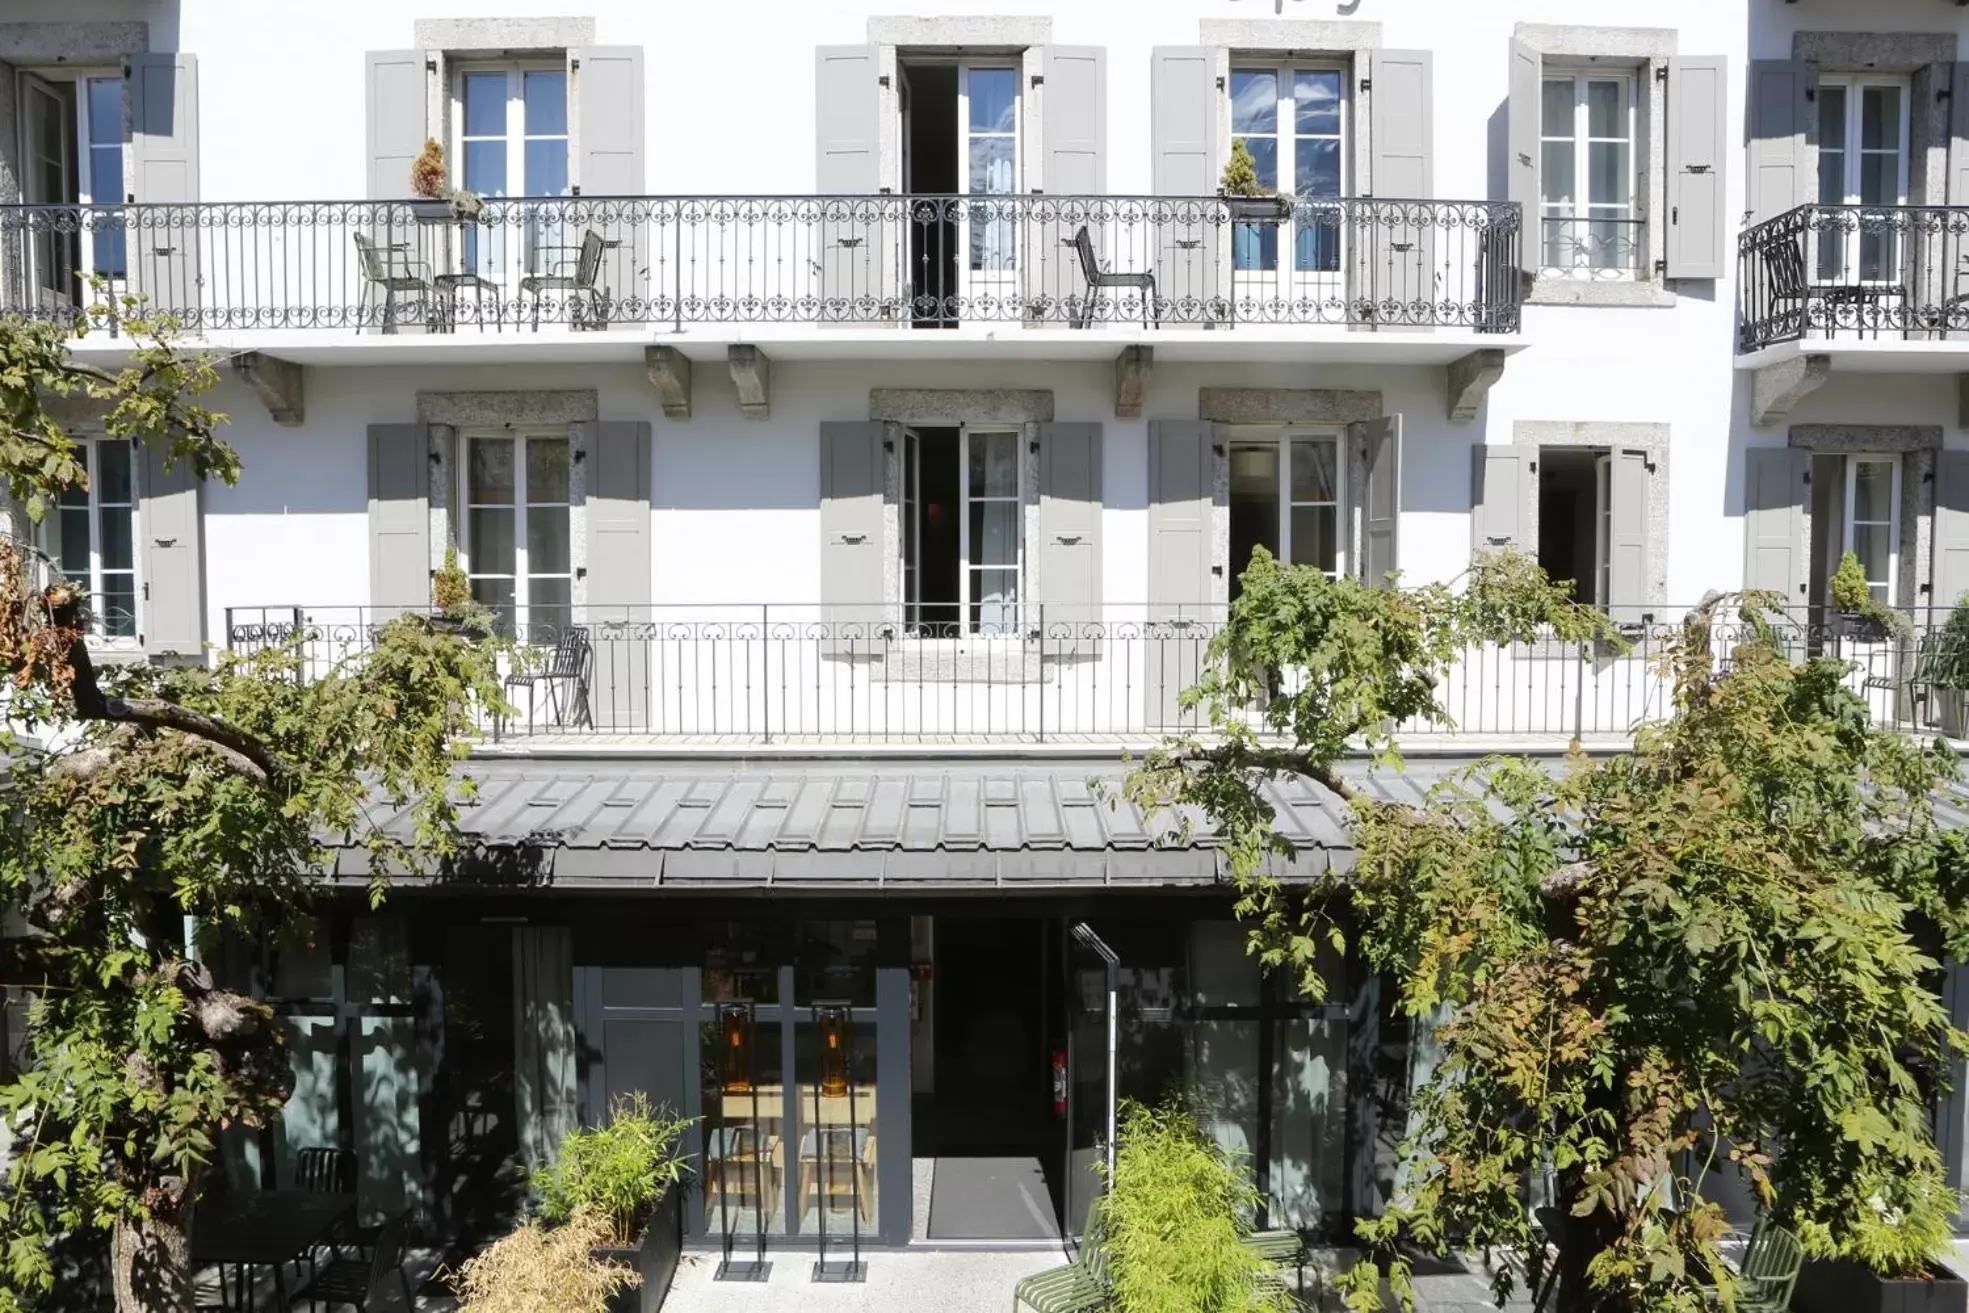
x=1258, y=209
x=1839, y=1286
x=656, y=1258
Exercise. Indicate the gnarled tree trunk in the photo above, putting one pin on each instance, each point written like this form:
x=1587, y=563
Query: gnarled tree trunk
x=150, y=1260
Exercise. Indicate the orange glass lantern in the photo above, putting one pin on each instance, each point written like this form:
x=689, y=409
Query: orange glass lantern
x=833, y=1023
x=735, y=1034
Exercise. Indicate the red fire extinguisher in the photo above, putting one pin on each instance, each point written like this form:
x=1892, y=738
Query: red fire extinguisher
x=1059, y=1082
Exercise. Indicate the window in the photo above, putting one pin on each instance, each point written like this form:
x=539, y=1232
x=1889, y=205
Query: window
x=1863, y=155
x=93, y=535
x=1285, y=497
x=1575, y=521
x=518, y=551
x=72, y=134
x=988, y=106
x=1872, y=530
x=961, y=532
x=1291, y=119
x=512, y=141
x=1586, y=176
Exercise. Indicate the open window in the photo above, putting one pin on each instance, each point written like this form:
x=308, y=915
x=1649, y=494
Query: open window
x=1575, y=507
x=961, y=126
x=92, y=536
x=962, y=532
x=72, y=139
x=1285, y=496
x=1856, y=505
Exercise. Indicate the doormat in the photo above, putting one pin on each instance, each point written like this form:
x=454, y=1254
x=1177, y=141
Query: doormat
x=991, y=1199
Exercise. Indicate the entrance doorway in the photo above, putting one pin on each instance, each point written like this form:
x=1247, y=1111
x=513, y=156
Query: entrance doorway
x=960, y=138
x=989, y=1127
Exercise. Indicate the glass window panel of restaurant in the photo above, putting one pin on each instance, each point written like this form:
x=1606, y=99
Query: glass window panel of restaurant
x=839, y=1135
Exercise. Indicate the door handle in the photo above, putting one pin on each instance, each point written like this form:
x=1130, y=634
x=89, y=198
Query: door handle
x=1066, y=539
x=853, y=539
x=166, y=542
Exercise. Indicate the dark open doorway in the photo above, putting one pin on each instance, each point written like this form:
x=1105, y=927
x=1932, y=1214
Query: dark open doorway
x=929, y=125
x=990, y=1125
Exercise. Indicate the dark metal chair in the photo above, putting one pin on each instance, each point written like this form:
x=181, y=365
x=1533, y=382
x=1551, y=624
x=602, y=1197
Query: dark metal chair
x=325, y=1171
x=391, y=271
x=364, y=1284
x=576, y=277
x=566, y=672
x=1099, y=279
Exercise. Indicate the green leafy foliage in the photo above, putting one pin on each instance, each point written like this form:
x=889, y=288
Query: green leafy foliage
x=138, y=797
x=1711, y=955
x=1952, y=661
x=617, y=1171
x=1174, y=1220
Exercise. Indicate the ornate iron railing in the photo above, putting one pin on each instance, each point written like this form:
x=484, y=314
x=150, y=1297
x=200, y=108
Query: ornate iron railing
x=1591, y=249
x=898, y=261
x=1822, y=272
x=801, y=674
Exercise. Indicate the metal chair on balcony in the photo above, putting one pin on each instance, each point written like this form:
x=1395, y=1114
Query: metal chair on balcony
x=393, y=273
x=574, y=276
x=1793, y=294
x=565, y=677
x=1098, y=279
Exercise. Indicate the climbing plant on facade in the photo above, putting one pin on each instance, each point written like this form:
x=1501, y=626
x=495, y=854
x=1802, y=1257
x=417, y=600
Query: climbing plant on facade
x=1712, y=956
x=142, y=801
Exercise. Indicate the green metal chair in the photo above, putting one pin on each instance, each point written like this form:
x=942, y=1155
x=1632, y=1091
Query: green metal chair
x=1080, y=1286
x=1769, y=1270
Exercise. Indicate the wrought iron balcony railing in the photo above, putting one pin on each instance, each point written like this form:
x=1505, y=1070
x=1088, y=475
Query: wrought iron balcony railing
x=897, y=261
x=798, y=674
x=1826, y=272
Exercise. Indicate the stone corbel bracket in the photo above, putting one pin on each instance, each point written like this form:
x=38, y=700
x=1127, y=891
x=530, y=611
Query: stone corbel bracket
x=752, y=376
x=1469, y=379
x=1775, y=389
x=1131, y=380
x=669, y=373
x=279, y=384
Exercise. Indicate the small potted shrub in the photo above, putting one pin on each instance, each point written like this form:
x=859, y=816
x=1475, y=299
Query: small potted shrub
x=451, y=600
x=1901, y=1273
x=437, y=201
x=1860, y=617
x=537, y=1269
x=1948, y=671
x=1248, y=201
x=627, y=1173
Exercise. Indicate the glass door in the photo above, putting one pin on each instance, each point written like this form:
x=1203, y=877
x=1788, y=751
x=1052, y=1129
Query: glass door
x=513, y=141
x=1862, y=163
x=988, y=168
x=1093, y=979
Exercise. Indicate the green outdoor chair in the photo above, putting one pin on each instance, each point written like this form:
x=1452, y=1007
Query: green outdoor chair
x=1079, y=1287
x=1769, y=1270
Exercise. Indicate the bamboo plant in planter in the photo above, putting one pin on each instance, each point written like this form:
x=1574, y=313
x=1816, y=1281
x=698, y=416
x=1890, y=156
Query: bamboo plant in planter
x=629, y=1173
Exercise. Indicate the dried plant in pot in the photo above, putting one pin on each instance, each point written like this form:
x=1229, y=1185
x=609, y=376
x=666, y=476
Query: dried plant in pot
x=436, y=201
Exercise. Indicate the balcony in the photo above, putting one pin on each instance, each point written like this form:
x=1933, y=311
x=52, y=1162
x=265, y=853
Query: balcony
x=585, y=272
x=717, y=678
x=1853, y=288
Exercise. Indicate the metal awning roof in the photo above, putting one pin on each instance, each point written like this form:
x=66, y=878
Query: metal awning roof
x=923, y=825
x=818, y=824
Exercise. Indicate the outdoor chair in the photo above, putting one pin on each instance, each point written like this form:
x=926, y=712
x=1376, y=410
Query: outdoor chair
x=391, y=272
x=325, y=1171
x=1791, y=293
x=370, y=1285
x=565, y=677
x=574, y=276
x=1279, y=1246
x=1080, y=1286
x=1769, y=1270
x=1915, y=680
x=1098, y=278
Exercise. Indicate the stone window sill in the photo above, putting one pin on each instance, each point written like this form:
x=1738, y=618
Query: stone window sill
x=1633, y=295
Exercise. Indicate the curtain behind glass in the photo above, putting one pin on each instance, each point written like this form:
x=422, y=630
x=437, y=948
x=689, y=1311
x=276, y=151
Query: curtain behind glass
x=543, y=1039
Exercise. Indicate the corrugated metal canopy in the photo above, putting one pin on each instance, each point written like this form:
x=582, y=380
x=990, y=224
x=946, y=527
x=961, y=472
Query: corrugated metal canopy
x=818, y=824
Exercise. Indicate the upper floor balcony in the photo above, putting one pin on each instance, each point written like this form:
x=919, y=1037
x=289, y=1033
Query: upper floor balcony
x=1859, y=288
x=585, y=277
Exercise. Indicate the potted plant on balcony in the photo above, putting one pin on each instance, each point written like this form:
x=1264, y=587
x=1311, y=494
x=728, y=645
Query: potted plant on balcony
x=436, y=201
x=1859, y=615
x=1948, y=670
x=1247, y=199
x=629, y=1173
x=452, y=605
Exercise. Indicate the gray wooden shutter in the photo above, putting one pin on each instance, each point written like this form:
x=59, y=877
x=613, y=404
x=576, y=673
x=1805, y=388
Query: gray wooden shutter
x=1183, y=97
x=1774, y=495
x=1698, y=100
x=398, y=119
x=1627, y=535
x=1782, y=129
x=399, y=519
x=860, y=245
x=1074, y=121
x=1958, y=146
x=852, y=547
x=174, y=558
x=1069, y=528
x=1522, y=112
x=1182, y=574
x=163, y=256
x=1498, y=499
x=618, y=511
x=1379, y=450
x=1398, y=245
x=1951, y=528
x=608, y=126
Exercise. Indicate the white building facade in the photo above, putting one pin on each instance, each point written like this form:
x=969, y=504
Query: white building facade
x=862, y=391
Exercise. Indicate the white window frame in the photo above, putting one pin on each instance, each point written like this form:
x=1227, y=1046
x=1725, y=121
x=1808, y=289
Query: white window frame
x=989, y=282
x=912, y=512
x=1892, y=522
x=1581, y=209
x=1853, y=87
x=96, y=572
x=80, y=164
x=516, y=134
x=1285, y=135
x=1283, y=439
x=522, y=575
